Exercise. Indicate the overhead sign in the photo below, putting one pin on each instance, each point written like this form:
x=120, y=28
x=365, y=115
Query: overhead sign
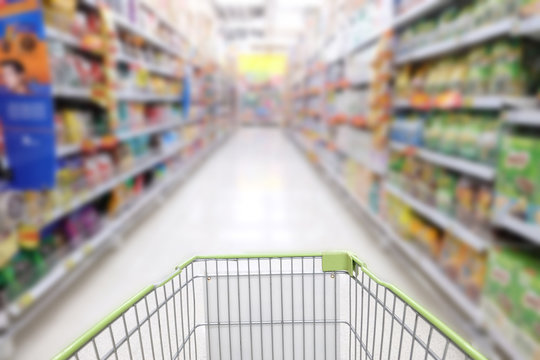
x=262, y=67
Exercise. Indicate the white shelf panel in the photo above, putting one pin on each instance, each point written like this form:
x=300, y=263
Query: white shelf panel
x=480, y=171
x=124, y=23
x=529, y=27
x=156, y=69
x=438, y=277
x=144, y=97
x=69, y=92
x=442, y=220
x=483, y=102
x=475, y=36
x=453, y=291
x=66, y=150
x=425, y=210
x=108, y=185
x=150, y=130
x=502, y=342
x=517, y=226
x=527, y=117
x=59, y=35
x=418, y=11
x=108, y=232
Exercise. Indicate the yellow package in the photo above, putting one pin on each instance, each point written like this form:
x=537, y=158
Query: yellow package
x=454, y=256
x=431, y=238
x=8, y=247
x=74, y=127
x=472, y=275
x=29, y=237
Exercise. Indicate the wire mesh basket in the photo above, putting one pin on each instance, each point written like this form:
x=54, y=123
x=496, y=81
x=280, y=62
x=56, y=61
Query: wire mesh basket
x=319, y=306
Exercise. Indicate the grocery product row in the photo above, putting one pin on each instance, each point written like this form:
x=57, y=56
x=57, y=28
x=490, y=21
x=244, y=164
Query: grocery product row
x=446, y=255
x=95, y=220
x=132, y=113
x=427, y=122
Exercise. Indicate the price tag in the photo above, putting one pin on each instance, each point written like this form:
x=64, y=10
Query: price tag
x=69, y=264
x=88, y=249
x=26, y=300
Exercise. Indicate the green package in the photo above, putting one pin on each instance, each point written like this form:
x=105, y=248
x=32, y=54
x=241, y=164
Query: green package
x=452, y=134
x=501, y=286
x=470, y=132
x=509, y=75
x=446, y=188
x=489, y=139
x=529, y=301
x=518, y=175
x=480, y=66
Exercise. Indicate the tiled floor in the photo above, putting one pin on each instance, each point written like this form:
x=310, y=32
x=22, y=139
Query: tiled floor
x=255, y=194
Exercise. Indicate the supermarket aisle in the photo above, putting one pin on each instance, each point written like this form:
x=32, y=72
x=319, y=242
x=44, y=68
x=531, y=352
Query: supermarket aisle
x=255, y=194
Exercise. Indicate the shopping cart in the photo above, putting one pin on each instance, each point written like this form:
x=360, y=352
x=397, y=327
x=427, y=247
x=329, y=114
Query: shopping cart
x=317, y=306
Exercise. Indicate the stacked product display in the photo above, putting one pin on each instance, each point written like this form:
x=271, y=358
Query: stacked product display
x=132, y=117
x=454, y=102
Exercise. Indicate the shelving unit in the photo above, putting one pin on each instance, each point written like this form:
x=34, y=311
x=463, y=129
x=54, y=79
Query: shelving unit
x=527, y=231
x=441, y=219
x=417, y=11
x=479, y=35
x=315, y=137
x=493, y=102
x=426, y=265
x=527, y=117
x=165, y=143
x=481, y=171
x=110, y=231
x=156, y=69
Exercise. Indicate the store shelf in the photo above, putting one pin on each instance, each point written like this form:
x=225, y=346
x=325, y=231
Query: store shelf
x=529, y=27
x=418, y=11
x=477, y=170
x=519, y=227
x=157, y=12
x=75, y=93
x=150, y=130
x=156, y=69
x=452, y=290
x=483, y=102
x=109, y=185
x=66, y=150
x=378, y=170
x=431, y=270
x=126, y=24
x=426, y=211
x=144, y=97
x=110, y=230
x=67, y=39
x=364, y=43
x=440, y=219
x=472, y=37
x=525, y=117
x=501, y=342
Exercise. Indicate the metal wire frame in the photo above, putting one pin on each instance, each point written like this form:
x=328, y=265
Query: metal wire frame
x=270, y=308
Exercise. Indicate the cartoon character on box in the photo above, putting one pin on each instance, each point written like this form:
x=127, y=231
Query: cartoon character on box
x=24, y=66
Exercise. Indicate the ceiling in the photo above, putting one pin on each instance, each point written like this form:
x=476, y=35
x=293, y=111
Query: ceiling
x=263, y=25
